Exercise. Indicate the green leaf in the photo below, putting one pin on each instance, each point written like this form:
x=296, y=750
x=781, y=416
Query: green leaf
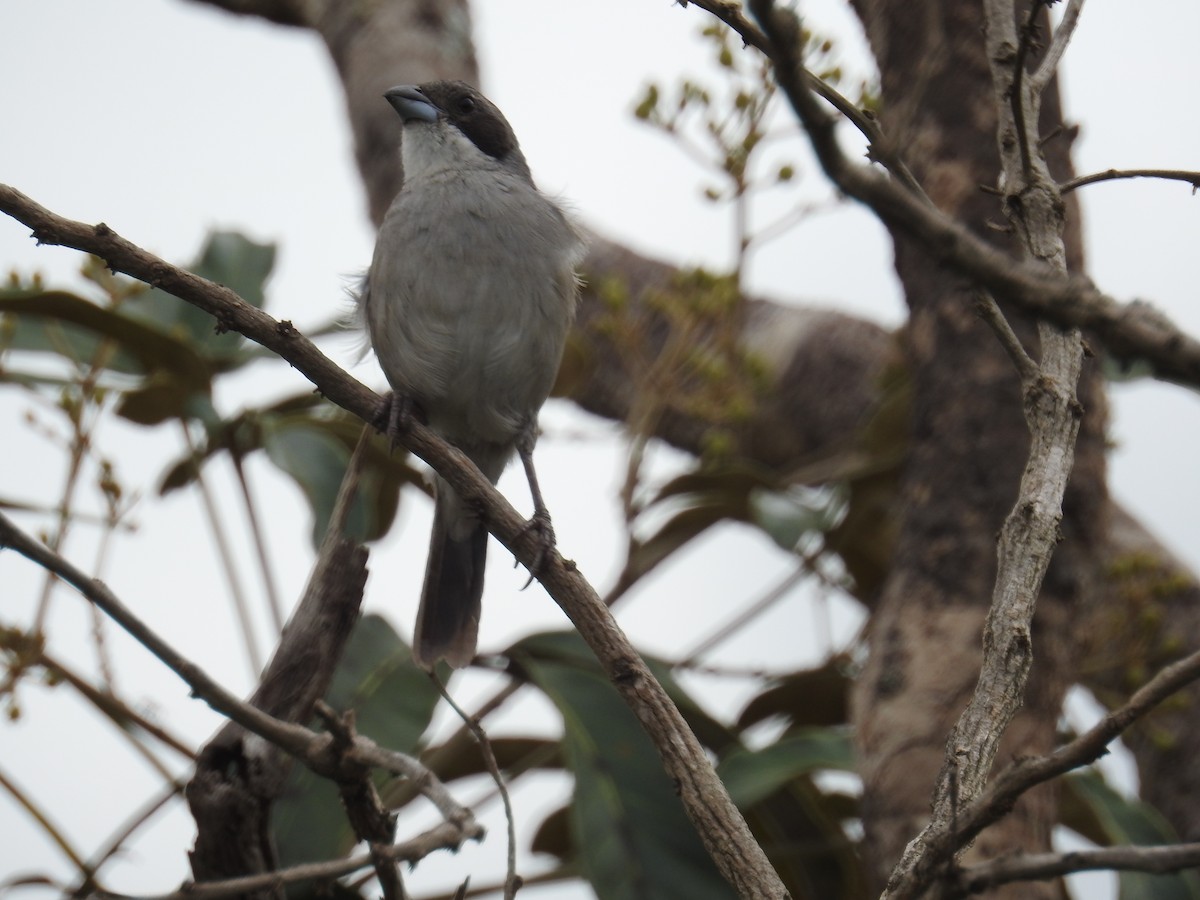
x=514, y=756
x=798, y=823
x=1131, y=822
x=311, y=441
x=630, y=834
x=392, y=697
x=704, y=497
x=243, y=434
x=553, y=836
x=164, y=397
x=177, y=381
x=229, y=259
x=817, y=696
x=393, y=701
x=753, y=775
x=787, y=516
x=315, y=456
x=77, y=329
x=66, y=325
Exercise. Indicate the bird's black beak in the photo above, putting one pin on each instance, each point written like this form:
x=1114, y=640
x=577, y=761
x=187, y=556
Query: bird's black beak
x=411, y=104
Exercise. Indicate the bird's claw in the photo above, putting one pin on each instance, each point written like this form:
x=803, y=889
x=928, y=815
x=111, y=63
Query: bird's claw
x=539, y=522
x=395, y=415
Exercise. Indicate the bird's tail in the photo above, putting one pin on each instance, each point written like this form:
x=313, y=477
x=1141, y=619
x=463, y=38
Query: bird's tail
x=448, y=619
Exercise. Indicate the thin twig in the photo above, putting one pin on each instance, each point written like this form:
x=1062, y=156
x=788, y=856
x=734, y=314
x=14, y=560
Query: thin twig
x=998, y=799
x=311, y=748
x=727, y=630
x=55, y=833
x=512, y=881
x=348, y=489
x=122, y=834
x=731, y=14
x=1030, y=531
x=237, y=594
x=449, y=747
x=1044, y=866
x=1192, y=178
x=989, y=311
x=122, y=716
x=443, y=836
x=292, y=738
x=1016, y=88
x=1058, y=46
x=260, y=545
x=1127, y=330
x=121, y=713
x=103, y=656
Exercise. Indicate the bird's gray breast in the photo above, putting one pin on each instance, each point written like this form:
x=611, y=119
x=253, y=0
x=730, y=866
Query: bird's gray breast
x=471, y=294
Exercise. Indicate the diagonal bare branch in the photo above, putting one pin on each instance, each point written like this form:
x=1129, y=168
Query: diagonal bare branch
x=720, y=825
x=315, y=750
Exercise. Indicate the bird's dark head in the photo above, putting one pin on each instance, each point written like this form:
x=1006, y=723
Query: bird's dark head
x=458, y=105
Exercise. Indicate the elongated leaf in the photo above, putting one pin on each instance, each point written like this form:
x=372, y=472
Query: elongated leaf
x=752, y=775
x=392, y=697
x=393, y=701
x=514, y=756
x=1131, y=822
x=817, y=696
x=630, y=835
x=76, y=328
x=787, y=516
x=312, y=443
x=797, y=823
x=227, y=258
x=703, y=498
x=314, y=456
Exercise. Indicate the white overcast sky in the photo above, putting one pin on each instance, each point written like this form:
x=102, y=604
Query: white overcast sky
x=167, y=119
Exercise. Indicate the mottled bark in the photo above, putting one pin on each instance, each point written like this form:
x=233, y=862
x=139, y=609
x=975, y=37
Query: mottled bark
x=968, y=443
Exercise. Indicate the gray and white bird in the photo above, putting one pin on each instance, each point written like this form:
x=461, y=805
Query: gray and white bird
x=467, y=303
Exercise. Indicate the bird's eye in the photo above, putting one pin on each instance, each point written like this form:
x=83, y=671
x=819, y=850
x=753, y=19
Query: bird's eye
x=466, y=104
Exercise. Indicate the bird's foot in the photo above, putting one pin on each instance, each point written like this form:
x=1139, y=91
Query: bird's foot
x=540, y=523
x=395, y=415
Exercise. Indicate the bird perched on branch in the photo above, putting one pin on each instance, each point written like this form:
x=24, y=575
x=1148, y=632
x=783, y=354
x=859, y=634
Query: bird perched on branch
x=468, y=300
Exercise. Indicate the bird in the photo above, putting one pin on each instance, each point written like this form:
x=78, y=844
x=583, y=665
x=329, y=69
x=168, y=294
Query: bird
x=467, y=304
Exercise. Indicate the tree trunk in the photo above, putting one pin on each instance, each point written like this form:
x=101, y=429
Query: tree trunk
x=956, y=466
x=967, y=446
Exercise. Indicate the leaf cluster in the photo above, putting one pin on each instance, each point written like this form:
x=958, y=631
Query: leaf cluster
x=158, y=361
